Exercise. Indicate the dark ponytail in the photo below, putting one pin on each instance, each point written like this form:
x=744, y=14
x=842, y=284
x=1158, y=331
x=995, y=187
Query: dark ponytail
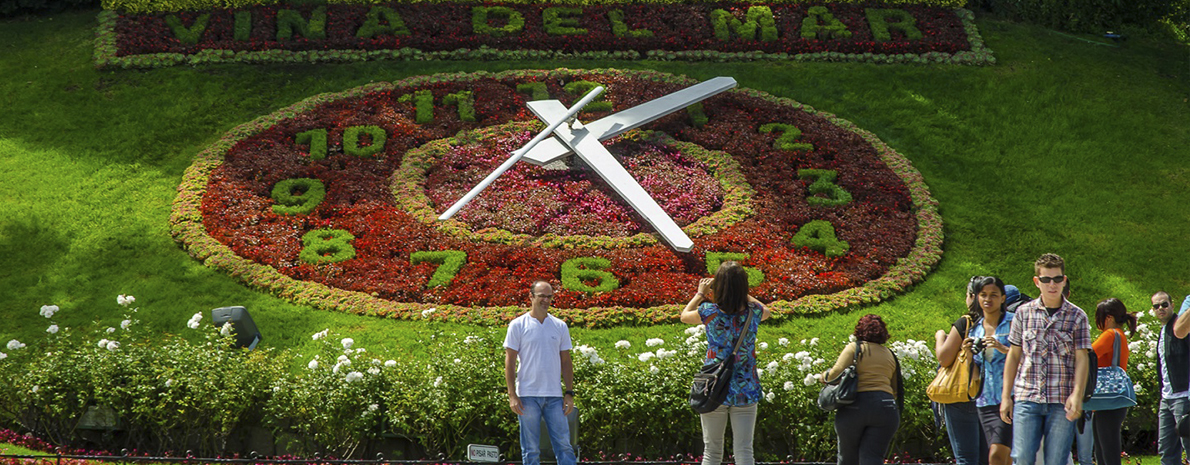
x=1114, y=308
x=977, y=284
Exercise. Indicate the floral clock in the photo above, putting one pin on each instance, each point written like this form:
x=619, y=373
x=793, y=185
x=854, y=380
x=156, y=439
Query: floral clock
x=333, y=203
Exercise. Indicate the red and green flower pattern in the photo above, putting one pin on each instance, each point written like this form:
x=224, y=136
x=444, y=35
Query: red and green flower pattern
x=742, y=195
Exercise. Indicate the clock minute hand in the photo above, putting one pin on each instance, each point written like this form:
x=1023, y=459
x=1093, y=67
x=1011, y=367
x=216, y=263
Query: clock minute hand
x=618, y=123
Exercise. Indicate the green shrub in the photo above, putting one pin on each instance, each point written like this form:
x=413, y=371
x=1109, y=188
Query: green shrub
x=824, y=183
x=298, y=196
x=373, y=28
x=322, y=246
x=562, y=21
x=464, y=101
x=577, y=270
x=820, y=24
x=820, y=235
x=757, y=19
x=351, y=140
x=188, y=35
x=878, y=20
x=289, y=21
x=1093, y=16
x=714, y=259
x=514, y=21
x=449, y=263
x=620, y=28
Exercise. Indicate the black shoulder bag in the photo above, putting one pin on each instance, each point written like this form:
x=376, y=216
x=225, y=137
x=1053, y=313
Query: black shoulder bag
x=843, y=389
x=710, y=383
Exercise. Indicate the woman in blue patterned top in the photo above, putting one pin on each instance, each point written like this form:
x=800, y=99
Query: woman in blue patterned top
x=722, y=304
x=990, y=343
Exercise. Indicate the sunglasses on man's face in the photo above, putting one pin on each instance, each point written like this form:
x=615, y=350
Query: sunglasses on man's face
x=1051, y=279
x=1161, y=305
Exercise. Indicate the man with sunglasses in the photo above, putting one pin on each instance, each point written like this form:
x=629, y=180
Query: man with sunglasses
x=1048, y=364
x=1173, y=376
x=541, y=343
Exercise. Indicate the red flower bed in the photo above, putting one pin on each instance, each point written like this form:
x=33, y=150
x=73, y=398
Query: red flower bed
x=227, y=197
x=450, y=30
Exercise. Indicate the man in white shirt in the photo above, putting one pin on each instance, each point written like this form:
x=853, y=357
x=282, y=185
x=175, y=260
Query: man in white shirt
x=542, y=344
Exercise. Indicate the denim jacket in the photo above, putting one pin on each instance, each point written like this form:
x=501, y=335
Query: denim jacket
x=993, y=367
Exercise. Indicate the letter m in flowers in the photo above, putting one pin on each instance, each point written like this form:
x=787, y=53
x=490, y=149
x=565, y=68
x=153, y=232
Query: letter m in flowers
x=758, y=19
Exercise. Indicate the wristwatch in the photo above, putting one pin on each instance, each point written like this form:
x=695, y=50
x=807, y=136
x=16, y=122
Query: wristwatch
x=568, y=393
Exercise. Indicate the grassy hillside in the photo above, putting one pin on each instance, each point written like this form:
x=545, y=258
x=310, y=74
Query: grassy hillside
x=1063, y=146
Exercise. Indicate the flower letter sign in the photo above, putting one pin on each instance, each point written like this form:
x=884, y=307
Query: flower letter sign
x=334, y=202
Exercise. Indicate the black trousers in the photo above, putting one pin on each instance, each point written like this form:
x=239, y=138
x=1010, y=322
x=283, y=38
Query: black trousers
x=1108, y=424
x=866, y=428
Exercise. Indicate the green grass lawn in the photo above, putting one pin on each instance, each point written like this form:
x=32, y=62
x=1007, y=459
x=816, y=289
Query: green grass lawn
x=1062, y=146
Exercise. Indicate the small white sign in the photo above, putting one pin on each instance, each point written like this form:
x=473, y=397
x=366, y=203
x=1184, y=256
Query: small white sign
x=482, y=453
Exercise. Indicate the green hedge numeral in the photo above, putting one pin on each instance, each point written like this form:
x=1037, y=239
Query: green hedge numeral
x=423, y=104
x=820, y=235
x=449, y=263
x=697, y=114
x=787, y=139
x=188, y=35
x=351, y=140
x=824, y=183
x=298, y=196
x=322, y=246
x=243, y=26
x=535, y=90
x=513, y=20
x=581, y=88
x=577, y=270
x=464, y=101
x=316, y=139
x=714, y=259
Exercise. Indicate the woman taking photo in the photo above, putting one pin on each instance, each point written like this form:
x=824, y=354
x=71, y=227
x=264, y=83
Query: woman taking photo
x=990, y=339
x=1110, y=317
x=963, y=425
x=722, y=304
x=865, y=428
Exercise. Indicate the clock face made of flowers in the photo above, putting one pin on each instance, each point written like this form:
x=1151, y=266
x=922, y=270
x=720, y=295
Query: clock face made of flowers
x=334, y=202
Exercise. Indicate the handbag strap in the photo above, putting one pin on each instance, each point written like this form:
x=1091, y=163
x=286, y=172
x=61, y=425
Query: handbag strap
x=1115, y=350
x=747, y=325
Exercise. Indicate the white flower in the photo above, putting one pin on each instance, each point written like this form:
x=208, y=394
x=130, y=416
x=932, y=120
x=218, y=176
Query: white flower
x=125, y=300
x=53, y=329
x=662, y=353
x=1142, y=328
x=789, y=386
x=360, y=350
x=3, y=355
x=347, y=342
x=818, y=361
x=226, y=329
x=1134, y=346
x=645, y=356
x=373, y=407
x=390, y=363
x=654, y=342
x=783, y=342
x=373, y=371
x=169, y=382
x=313, y=365
x=335, y=369
x=426, y=313
x=770, y=396
x=48, y=310
x=1150, y=353
x=437, y=381
x=763, y=346
x=693, y=340
x=622, y=344
x=472, y=339
x=759, y=373
x=814, y=341
x=810, y=379
x=698, y=330
x=653, y=369
x=125, y=324
x=803, y=342
x=787, y=356
x=458, y=361
x=113, y=345
x=353, y=376
x=344, y=360
x=376, y=362
x=193, y=323
x=36, y=388
x=348, y=351
x=320, y=334
x=772, y=367
x=1153, y=313
x=851, y=338
x=111, y=330
x=1140, y=366
x=1153, y=345
x=102, y=343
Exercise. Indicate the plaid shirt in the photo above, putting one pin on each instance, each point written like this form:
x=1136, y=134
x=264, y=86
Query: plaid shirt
x=1048, y=345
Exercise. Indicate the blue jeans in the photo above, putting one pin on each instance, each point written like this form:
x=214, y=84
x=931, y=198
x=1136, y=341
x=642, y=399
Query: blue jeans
x=1085, y=441
x=1169, y=445
x=965, y=431
x=550, y=409
x=1030, y=422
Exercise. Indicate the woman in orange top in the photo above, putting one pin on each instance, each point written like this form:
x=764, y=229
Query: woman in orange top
x=1110, y=317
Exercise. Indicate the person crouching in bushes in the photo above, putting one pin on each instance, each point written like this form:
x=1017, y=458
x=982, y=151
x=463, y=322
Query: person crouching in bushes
x=865, y=428
x=1110, y=317
x=990, y=340
x=963, y=426
x=722, y=304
